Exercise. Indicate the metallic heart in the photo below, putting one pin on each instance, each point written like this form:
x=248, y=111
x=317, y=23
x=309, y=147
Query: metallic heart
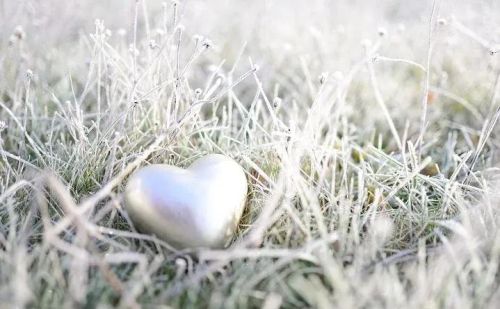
x=195, y=207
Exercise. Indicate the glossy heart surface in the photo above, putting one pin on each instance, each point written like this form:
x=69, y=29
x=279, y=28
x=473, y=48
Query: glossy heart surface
x=195, y=207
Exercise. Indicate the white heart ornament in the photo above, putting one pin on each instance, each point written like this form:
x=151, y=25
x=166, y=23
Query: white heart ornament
x=195, y=207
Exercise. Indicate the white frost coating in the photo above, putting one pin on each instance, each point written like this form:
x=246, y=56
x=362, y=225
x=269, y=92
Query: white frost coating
x=195, y=207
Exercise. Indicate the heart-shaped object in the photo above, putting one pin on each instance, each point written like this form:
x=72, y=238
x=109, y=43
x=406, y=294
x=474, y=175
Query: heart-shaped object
x=195, y=207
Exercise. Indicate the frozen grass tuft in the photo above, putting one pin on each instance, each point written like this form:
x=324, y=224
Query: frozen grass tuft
x=368, y=133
